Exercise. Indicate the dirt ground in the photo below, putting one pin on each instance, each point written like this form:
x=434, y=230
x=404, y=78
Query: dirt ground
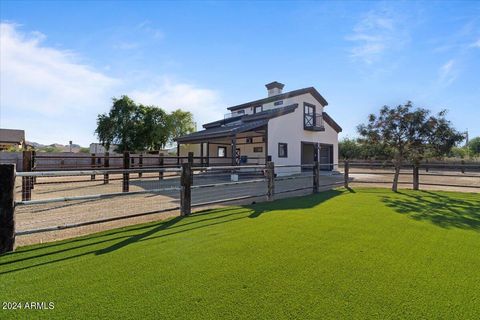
x=156, y=206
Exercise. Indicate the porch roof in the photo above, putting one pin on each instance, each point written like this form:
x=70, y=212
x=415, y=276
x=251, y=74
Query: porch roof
x=223, y=131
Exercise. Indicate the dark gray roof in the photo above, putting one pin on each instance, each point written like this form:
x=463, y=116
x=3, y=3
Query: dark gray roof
x=282, y=96
x=12, y=136
x=274, y=84
x=229, y=127
x=331, y=122
x=222, y=131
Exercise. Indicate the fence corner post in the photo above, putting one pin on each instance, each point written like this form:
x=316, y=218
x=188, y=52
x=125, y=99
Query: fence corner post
x=270, y=173
x=316, y=177
x=7, y=207
x=92, y=164
x=185, y=189
x=106, y=164
x=190, y=158
x=160, y=164
x=416, y=177
x=126, y=175
x=346, y=174
x=140, y=164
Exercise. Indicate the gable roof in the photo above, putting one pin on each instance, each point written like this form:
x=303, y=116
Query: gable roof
x=240, y=124
x=12, y=136
x=331, y=122
x=282, y=96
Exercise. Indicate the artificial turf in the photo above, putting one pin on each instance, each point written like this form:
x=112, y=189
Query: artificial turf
x=364, y=253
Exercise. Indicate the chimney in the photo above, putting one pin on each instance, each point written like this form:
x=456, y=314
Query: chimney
x=274, y=88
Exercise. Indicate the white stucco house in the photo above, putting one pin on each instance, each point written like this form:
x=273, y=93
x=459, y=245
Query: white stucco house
x=290, y=128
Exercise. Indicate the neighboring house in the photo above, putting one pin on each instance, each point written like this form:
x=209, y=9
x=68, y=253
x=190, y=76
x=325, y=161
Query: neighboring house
x=291, y=128
x=12, y=138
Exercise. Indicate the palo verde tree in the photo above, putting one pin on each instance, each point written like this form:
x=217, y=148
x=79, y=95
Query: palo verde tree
x=410, y=134
x=134, y=127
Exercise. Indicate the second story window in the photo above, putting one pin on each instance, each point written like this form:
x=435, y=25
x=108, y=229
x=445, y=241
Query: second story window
x=257, y=109
x=308, y=115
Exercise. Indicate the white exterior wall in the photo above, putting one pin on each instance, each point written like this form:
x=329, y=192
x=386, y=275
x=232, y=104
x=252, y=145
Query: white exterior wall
x=289, y=129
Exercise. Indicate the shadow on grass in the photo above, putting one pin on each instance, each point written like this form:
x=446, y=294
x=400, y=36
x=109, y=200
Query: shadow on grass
x=114, y=240
x=441, y=209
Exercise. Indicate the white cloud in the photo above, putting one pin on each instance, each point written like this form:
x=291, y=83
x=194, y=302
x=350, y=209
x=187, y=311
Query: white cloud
x=375, y=34
x=46, y=80
x=205, y=104
x=448, y=73
x=55, y=98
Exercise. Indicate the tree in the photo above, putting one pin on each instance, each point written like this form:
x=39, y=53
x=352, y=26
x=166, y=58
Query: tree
x=349, y=149
x=474, y=146
x=181, y=123
x=135, y=127
x=410, y=134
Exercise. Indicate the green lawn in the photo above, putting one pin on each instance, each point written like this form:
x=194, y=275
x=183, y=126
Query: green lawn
x=368, y=253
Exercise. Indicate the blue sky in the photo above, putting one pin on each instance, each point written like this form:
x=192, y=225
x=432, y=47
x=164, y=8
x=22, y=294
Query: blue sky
x=62, y=62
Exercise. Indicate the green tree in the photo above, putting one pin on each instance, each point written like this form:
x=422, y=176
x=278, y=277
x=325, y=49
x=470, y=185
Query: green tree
x=474, y=146
x=349, y=149
x=135, y=127
x=410, y=134
x=181, y=123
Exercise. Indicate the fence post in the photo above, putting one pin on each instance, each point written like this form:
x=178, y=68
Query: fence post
x=270, y=173
x=34, y=179
x=106, y=165
x=27, y=181
x=126, y=175
x=92, y=162
x=463, y=166
x=185, y=190
x=190, y=158
x=316, y=176
x=7, y=207
x=346, y=173
x=140, y=164
x=160, y=164
x=416, y=177
x=426, y=165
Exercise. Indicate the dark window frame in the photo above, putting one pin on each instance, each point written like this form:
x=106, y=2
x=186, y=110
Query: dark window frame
x=218, y=152
x=280, y=146
x=314, y=107
x=255, y=109
x=257, y=149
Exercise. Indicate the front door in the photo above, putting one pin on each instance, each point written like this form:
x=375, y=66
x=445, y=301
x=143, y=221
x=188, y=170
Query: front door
x=326, y=157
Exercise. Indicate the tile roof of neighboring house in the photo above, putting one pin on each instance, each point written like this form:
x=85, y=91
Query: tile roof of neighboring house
x=229, y=127
x=281, y=96
x=12, y=136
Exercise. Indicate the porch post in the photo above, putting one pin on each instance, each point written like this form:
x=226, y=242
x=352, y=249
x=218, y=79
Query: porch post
x=234, y=149
x=178, y=153
x=208, y=154
x=201, y=154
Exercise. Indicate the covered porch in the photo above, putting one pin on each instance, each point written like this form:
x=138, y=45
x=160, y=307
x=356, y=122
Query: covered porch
x=232, y=145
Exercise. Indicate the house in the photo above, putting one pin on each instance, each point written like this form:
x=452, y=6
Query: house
x=289, y=128
x=12, y=138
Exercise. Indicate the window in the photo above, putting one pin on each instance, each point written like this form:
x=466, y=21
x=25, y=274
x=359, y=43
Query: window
x=257, y=109
x=222, y=152
x=282, y=150
x=278, y=103
x=308, y=115
x=240, y=112
x=257, y=149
